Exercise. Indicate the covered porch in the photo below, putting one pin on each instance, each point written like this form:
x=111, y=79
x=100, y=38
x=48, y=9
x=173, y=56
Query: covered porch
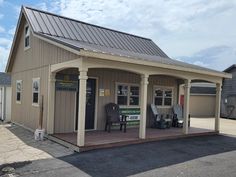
x=147, y=78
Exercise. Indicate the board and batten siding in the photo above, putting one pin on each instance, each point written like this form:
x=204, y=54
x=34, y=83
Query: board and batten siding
x=29, y=64
x=228, y=108
x=107, y=79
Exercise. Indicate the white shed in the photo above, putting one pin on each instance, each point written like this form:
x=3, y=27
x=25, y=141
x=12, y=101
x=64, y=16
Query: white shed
x=5, y=97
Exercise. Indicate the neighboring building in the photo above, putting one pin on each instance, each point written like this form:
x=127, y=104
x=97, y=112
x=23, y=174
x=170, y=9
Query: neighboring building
x=79, y=68
x=202, y=99
x=5, y=97
x=228, y=102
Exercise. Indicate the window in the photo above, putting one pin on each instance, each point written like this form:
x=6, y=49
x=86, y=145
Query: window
x=18, y=90
x=163, y=96
x=27, y=37
x=127, y=95
x=35, y=90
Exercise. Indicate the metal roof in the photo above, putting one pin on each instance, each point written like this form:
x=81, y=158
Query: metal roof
x=230, y=68
x=58, y=26
x=5, y=79
x=81, y=35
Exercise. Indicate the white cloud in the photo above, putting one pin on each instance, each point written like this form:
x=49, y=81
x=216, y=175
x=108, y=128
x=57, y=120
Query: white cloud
x=217, y=57
x=42, y=6
x=3, y=58
x=200, y=63
x=2, y=29
x=12, y=31
x=4, y=42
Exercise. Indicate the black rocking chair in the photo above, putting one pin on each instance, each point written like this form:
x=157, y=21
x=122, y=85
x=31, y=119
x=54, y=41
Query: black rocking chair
x=113, y=116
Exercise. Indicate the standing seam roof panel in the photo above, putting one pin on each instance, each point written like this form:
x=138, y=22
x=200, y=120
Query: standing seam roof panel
x=99, y=36
x=123, y=42
x=58, y=24
x=79, y=32
x=103, y=37
x=109, y=36
x=148, y=48
x=41, y=22
x=89, y=39
x=34, y=21
x=85, y=31
x=54, y=25
x=154, y=48
x=120, y=41
x=70, y=31
x=127, y=42
x=104, y=33
x=67, y=28
x=116, y=40
x=73, y=29
x=93, y=35
x=137, y=49
x=48, y=24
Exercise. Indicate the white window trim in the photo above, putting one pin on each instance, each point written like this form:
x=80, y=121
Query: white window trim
x=128, y=84
x=19, y=81
x=163, y=87
x=28, y=47
x=35, y=104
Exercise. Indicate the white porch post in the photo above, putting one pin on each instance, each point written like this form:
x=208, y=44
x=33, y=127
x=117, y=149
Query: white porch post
x=82, y=107
x=217, y=107
x=143, y=106
x=51, y=102
x=186, y=105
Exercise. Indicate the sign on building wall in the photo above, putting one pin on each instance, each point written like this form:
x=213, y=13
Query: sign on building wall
x=66, y=82
x=133, y=115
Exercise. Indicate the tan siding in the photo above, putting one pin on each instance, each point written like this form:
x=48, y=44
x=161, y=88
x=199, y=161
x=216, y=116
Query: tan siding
x=107, y=79
x=25, y=113
x=28, y=64
x=64, y=111
x=202, y=105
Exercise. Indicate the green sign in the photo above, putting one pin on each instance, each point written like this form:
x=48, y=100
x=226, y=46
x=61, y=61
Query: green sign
x=133, y=115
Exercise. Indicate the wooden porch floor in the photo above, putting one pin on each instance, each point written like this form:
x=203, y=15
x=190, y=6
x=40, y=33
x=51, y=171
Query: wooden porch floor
x=102, y=139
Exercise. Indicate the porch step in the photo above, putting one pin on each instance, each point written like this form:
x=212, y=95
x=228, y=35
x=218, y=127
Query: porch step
x=64, y=143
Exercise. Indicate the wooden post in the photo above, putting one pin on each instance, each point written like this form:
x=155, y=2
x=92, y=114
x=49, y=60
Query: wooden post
x=217, y=107
x=186, y=105
x=143, y=107
x=41, y=112
x=82, y=107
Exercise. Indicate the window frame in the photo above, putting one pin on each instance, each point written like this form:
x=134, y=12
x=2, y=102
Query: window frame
x=33, y=80
x=163, y=88
x=128, y=95
x=19, y=101
x=25, y=36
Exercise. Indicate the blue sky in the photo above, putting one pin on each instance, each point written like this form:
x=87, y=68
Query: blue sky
x=195, y=31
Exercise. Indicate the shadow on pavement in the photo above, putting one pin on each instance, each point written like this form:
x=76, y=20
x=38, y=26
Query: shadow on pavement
x=133, y=159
